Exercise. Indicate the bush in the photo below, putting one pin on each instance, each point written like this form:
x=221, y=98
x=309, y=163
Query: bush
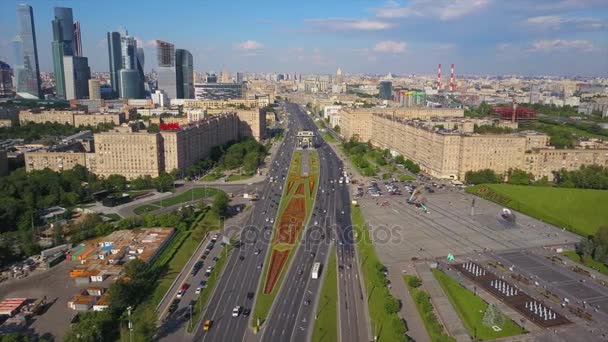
x=414, y=282
x=392, y=305
x=481, y=177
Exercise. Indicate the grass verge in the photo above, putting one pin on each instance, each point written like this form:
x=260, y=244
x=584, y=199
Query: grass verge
x=386, y=324
x=202, y=299
x=191, y=195
x=326, y=324
x=587, y=261
x=425, y=309
x=233, y=178
x=581, y=211
x=471, y=309
x=328, y=137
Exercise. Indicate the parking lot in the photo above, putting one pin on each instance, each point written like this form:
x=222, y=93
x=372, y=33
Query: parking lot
x=449, y=224
x=58, y=287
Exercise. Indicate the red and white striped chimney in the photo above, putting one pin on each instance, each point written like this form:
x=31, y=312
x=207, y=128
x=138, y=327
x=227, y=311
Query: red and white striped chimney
x=439, y=77
x=452, y=79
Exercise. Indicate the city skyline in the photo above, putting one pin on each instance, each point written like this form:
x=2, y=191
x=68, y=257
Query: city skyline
x=479, y=36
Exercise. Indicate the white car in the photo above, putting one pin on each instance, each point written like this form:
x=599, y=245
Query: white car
x=236, y=311
x=198, y=290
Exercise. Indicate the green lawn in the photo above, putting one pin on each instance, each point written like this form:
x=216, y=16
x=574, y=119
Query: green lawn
x=426, y=311
x=587, y=261
x=233, y=178
x=113, y=216
x=263, y=302
x=175, y=265
x=328, y=137
x=190, y=195
x=326, y=324
x=580, y=210
x=388, y=326
x=201, y=301
x=471, y=308
x=212, y=176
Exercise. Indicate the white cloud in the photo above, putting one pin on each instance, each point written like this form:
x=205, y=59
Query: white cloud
x=249, y=45
x=561, y=45
x=553, y=22
x=151, y=43
x=441, y=9
x=390, y=46
x=346, y=24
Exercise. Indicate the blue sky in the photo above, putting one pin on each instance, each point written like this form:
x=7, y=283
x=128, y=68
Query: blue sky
x=527, y=37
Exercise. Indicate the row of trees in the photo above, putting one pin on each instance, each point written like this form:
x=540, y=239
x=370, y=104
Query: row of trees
x=247, y=153
x=360, y=153
x=491, y=129
x=35, y=131
x=587, y=177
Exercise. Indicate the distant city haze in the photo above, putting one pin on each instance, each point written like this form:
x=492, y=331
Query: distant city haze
x=524, y=37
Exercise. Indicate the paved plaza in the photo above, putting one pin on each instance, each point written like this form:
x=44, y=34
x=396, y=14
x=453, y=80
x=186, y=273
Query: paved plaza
x=402, y=231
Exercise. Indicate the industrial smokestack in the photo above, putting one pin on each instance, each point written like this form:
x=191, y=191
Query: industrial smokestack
x=439, y=77
x=452, y=79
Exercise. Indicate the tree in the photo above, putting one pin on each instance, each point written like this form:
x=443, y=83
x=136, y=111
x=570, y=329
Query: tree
x=142, y=182
x=400, y=159
x=220, y=203
x=481, y=176
x=520, y=177
x=391, y=305
x=164, y=182
x=117, y=182
x=153, y=128
x=93, y=327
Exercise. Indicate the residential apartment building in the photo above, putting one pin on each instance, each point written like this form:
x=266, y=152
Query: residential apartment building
x=447, y=148
x=231, y=103
x=358, y=121
x=70, y=117
x=132, y=154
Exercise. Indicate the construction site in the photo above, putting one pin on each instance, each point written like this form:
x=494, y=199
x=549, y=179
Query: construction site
x=100, y=261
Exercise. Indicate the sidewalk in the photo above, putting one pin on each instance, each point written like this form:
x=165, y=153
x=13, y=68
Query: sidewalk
x=445, y=311
x=415, y=326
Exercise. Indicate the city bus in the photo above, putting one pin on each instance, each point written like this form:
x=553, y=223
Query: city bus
x=316, y=268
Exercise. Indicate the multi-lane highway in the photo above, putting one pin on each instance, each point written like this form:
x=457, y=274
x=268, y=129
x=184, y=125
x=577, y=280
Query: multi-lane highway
x=244, y=268
x=293, y=312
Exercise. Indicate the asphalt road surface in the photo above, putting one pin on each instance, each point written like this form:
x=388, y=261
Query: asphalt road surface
x=242, y=273
x=290, y=318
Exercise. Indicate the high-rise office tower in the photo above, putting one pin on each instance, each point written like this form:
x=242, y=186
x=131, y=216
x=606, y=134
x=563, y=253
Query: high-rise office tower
x=115, y=57
x=26, y=67
x=385, y=90
x=77, y=40
x=62, y=45
x=165, y=54
x=76, y=74
x=184, y=74
x=6, y=80
x=211, y=78
x=94, y=89
x=240, y=77
x=131, y=71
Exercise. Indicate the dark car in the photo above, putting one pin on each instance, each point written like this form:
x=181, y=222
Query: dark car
x=250, y=295
x=241, y=258
x=246, y=312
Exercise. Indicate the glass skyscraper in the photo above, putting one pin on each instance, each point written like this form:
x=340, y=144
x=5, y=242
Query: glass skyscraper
x=385, y=90
x=165, y=54
x=115, y=55
x=184, y=71
x=62, y=45
x=26, y=68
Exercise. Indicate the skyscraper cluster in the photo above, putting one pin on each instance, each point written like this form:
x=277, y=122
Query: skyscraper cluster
x=175, y=71
x=126, y=65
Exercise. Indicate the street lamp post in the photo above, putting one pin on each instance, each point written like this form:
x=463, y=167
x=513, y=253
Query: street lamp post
x=130, y=323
